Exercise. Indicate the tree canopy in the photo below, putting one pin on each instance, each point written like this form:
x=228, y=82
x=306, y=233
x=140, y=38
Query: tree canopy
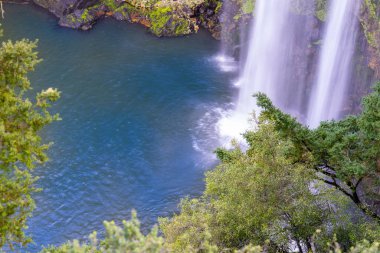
x=345, y=153
x=21, y=147
x=277, y=191
x=291, y=189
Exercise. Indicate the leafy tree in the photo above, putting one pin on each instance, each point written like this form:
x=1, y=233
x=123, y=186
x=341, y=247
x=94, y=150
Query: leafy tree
x=362, y=247
x=129, y=239
x=117, y=240
x=21, y=147
x=190, y=231
x=262, y=196
x=275, y=194
x=346, y=153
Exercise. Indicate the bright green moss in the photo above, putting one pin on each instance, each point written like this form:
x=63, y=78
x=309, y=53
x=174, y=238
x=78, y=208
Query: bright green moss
x=248, y=6
x=218, y=7
x=85, y=17
x=124, y=10
x=181, y=27
x=371, y=22
x=159, y=18
x=110, y=4
x=321, y=10
x=71, y=18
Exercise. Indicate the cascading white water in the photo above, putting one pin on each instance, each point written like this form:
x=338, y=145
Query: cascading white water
x=270, y=64
x=225, y=58
x=329, y=92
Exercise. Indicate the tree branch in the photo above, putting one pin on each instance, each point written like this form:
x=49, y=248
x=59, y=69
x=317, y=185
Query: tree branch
x=354, y=197
x=337, y=186
x=358, y=182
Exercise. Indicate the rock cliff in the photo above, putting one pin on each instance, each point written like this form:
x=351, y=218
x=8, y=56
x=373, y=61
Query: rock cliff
x=182, y=17
x=161, y=17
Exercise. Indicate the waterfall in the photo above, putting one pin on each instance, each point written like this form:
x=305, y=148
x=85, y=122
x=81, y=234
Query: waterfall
x=334, y=71
x=225, y=58
x=276, y=37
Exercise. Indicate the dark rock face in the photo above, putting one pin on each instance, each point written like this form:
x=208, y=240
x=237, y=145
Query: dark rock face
x=17, y=1
x=70, y=12
x=59, y=8
x=208, y=17
x=370, y=21
x=369, y=192
x=162, y=18
x=182, y=17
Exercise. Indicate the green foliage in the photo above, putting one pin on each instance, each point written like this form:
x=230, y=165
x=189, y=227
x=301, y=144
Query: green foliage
x=370, y=21
x=111, y=4
x=345, y=152
x=258, y=192
x=219, y=6
x=21, y=148
x=181, y=27
x=159, y=18
x=170, y=19
x=71, y=247
x=248, y=6
x=240, y=8
x=117, y=240
x=129, y=239
x=85, y=16
x=364, y=247
x=299, y=7
x=275, y=191
x=261, y=197
x=270, y=194
x=189, y=231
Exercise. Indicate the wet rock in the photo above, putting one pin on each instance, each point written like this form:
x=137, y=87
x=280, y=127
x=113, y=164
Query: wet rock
x=370, y=21
x=163, y=18
x=119, y=16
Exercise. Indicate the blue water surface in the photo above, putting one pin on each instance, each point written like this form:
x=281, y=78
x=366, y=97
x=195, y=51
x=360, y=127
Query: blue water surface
x=132, y=107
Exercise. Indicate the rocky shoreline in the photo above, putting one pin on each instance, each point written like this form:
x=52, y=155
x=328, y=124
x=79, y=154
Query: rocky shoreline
x=162, y=18
x=181, y=17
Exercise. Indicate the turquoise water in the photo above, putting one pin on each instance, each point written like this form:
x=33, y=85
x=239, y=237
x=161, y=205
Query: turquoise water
x=137, y=112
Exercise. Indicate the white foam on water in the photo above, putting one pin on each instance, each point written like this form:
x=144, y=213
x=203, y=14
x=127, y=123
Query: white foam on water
x=226, y=63
x=267, y=57
x=233, y=125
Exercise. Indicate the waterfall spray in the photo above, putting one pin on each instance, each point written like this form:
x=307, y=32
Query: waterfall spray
x=270, y=65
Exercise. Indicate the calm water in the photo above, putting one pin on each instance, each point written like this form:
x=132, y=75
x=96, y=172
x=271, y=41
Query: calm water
x=137, y=111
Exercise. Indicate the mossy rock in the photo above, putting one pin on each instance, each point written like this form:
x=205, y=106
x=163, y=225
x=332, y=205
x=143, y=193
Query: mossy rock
x=159, y=19
x=370, y=21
